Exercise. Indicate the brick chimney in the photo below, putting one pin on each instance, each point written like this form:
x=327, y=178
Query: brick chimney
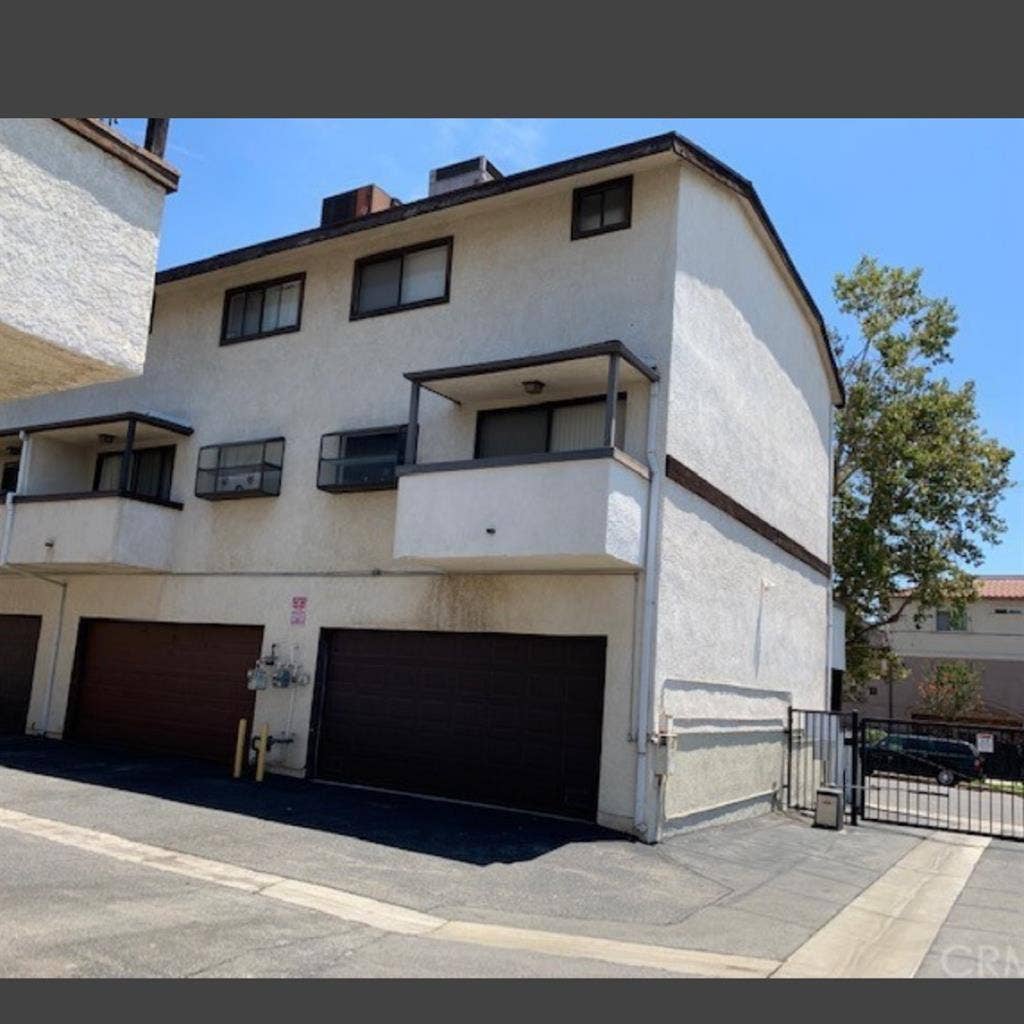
x=356, y=203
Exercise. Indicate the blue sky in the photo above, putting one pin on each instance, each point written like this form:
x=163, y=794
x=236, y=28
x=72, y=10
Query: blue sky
x=940, y=194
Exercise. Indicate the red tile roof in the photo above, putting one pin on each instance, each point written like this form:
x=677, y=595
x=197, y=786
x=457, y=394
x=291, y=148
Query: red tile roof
x=1001, y=587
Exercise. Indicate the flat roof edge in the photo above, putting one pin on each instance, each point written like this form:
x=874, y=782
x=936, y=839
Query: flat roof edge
x=139, y=159
x=565, y=355
x=90, y=421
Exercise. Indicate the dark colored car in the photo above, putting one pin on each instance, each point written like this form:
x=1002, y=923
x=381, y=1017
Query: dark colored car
x=946, y=761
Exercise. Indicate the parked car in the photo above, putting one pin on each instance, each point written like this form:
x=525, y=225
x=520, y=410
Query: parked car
x=947, y=761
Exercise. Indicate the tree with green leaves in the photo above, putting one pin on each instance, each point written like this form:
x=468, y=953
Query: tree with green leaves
x=917, y=480
x=952, y=691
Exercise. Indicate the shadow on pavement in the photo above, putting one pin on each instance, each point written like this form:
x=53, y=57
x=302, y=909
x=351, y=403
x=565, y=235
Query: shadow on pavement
x=474, y=835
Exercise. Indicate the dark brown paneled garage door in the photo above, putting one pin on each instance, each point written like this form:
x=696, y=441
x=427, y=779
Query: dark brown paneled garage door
x=496, y=718
x=163, y=687
x=19, y=637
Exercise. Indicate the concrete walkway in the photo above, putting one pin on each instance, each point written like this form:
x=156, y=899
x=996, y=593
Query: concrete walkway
x=293, y=879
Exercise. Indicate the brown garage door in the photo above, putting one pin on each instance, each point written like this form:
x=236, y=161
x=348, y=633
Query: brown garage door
x=19, y=637
x=496, y=718
x=163, y=687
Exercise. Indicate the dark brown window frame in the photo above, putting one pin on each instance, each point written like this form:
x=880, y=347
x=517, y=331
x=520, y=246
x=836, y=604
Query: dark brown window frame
x=258, y=286
x=391, y=254
x=262, y=466
x=621, y=396
x=398, y=429
x=579, y=194
x=164, y=449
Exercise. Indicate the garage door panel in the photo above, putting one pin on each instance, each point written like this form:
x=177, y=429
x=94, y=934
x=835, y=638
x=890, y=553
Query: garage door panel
x=19, y=640
x=169, y=688
x=496, y=718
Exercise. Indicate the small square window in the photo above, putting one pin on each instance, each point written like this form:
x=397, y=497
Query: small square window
x=950, y=621
x=243, y=470
x=361, y=460
x=261, y=310
x=597, y=209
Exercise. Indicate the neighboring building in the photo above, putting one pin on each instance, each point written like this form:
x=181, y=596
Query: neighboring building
x=530, y=478
x=80, y=210
x=989, y=635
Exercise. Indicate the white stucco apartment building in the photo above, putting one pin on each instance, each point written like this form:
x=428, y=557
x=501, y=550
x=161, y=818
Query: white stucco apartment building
x=80, y=212
x=529, y=491
x=988, y=635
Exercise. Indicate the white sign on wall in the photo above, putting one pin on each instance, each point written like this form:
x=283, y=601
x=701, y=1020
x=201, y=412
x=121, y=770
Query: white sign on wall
x=299, y=610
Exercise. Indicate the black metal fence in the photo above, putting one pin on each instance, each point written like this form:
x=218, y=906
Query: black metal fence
x=943, y=775
x=821, y=752
x=952, y=776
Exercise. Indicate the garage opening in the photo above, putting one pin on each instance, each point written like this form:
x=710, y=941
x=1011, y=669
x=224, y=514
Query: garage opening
x=19, y=639
x=507, y=719
x=169, y=688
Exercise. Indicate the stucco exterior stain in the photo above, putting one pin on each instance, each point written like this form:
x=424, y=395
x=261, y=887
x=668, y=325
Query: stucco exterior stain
x=464, y=603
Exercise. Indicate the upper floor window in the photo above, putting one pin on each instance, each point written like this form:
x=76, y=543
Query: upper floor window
x=607, y=206
x=8, y=477
x=949, y=620
x=418, y=275
x=260, y=310
x=361, y=460
x=149, y=476
x=241, y=470
x=575, y=425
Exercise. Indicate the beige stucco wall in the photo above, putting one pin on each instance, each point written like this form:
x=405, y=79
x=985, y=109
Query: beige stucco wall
x=749, y=391
x=555, y=605
x=589, y=513
x=739, y=620
x=100, y=533
x=78, y=241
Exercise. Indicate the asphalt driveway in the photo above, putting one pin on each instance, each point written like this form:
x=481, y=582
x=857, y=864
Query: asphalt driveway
x=757, y=889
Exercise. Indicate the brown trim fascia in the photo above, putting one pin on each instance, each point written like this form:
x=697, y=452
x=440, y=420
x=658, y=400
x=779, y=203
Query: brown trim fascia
x=98, y=421
x=696, y=484
x=139, y=159
x=565, y=355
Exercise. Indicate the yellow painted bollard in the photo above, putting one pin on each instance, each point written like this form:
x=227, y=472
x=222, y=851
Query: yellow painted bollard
x=239, y=748
x=261, y=752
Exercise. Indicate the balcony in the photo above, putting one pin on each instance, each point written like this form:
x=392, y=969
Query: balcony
x=554, y=482
x=91, y=495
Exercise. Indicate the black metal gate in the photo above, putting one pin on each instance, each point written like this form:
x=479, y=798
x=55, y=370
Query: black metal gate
x=943, y=775
x=822, y=752
x=951, y=776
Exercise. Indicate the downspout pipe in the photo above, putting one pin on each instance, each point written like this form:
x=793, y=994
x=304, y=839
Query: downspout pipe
x=646, y=721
